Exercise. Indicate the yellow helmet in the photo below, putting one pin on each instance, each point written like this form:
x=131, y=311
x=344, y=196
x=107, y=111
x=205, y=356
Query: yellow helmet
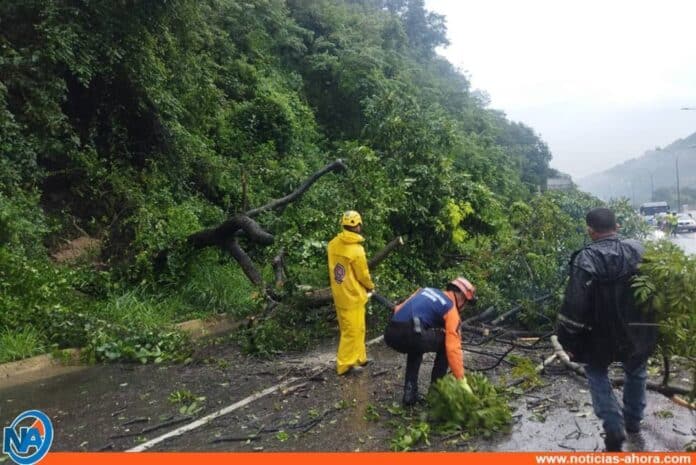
x=351, y=218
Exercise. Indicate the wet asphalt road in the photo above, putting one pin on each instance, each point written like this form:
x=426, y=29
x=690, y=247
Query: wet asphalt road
x=109, y=407
x=686, y=241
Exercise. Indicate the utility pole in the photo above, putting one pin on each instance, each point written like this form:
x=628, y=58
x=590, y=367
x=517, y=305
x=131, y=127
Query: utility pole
x=678, y=196
x=652, y=188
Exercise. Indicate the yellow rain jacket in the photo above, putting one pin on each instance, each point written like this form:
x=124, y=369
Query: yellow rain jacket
x=348, y=272
x=350, y=281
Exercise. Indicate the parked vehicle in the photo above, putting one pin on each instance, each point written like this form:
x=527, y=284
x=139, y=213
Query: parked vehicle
x=686, y=223
x=654, y=208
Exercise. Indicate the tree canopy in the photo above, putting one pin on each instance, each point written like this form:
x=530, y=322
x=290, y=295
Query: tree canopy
x=142, y=123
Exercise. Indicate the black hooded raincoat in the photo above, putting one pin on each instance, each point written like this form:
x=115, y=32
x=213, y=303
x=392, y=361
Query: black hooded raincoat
x=599, y=321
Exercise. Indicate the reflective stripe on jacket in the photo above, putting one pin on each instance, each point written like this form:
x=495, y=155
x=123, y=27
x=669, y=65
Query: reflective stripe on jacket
x=348, y=272
x=436, y=309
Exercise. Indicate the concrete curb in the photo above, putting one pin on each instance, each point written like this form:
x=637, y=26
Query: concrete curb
x=209, y=327
x=46, y=366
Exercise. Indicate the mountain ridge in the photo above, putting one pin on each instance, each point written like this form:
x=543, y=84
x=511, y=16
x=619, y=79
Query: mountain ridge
x=651, y=176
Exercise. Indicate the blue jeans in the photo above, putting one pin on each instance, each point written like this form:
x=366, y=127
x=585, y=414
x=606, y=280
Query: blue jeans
x=606, y=407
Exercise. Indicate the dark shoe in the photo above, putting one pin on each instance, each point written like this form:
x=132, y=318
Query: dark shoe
x=410, y=393
x=636, y=443
x=613, y=442
x=365, y=363
x=632, y=428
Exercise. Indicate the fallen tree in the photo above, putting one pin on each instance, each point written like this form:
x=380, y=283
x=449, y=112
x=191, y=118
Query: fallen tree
x=227, y=235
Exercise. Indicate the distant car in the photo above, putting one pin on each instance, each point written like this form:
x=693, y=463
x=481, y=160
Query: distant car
x=685, y=223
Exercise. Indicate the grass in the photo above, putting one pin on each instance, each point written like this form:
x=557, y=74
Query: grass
x=215, y=287
x=134, y=310
x=16, y=345
x=132, y=322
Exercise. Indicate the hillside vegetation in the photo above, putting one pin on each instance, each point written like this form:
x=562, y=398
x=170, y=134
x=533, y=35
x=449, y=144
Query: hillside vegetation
x=137, y=124
x=650, y=177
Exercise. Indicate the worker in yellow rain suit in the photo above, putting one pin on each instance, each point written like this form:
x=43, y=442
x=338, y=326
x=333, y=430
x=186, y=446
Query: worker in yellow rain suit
x=350, y=283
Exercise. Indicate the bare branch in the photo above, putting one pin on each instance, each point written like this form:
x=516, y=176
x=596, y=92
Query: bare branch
x=382, y=254
x=485, y=315
x=517, y=309
x=234, y=249
x=277, y=203
x=221, y=234
x=668, y=391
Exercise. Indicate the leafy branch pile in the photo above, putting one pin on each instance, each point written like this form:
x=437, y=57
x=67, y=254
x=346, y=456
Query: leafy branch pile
x=482, y=412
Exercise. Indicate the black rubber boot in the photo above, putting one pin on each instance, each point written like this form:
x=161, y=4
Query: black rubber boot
x=633, y=428
x=410, y=393
x=613, y=442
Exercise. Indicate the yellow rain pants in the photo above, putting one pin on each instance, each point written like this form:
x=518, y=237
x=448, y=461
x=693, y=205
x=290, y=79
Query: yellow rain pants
x=351, y=346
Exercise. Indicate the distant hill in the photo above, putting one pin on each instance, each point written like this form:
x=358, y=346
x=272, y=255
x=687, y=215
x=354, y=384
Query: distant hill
x=632, y=179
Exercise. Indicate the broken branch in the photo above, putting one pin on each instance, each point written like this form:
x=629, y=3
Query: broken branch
x=337, y=165
x=382, y=254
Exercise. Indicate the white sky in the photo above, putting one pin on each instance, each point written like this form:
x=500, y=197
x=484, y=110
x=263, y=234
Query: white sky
x=600, y=80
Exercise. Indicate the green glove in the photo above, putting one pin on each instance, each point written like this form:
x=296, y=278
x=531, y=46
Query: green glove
x=464, y=385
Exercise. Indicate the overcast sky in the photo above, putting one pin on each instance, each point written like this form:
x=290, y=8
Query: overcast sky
x=600, y=80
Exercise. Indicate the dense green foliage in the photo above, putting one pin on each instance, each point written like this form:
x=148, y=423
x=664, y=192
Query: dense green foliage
x=140, y=123
x=667, y=284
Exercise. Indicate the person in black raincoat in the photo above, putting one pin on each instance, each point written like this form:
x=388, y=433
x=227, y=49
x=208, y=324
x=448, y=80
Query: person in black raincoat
x=600, y=323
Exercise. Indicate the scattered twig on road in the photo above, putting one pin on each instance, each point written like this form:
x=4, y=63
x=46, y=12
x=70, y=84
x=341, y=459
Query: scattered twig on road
x=217, y=414
x=136, y=420
x=683, y=402
x=577, y=434
x=251, y=437
x=122, y=409
x=150, y=429
x=291, y=389
x=500, y=360
x=164, y=424
x=315, y=421
x=235, y=439
x=109, y=446
x=567, y=447
x=535, y=403
x=577, y=425
x=486, y=353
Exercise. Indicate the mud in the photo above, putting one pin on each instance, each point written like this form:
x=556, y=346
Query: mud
x=94, y=409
